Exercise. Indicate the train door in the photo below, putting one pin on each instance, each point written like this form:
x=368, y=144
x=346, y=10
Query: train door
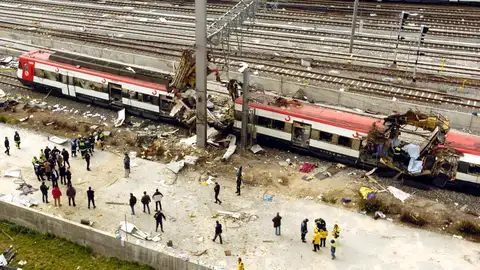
x=68, y=80
x=115, y=92
x=301, y=134
x=28, y=70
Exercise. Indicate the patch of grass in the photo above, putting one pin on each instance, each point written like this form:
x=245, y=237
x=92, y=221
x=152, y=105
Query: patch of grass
x=373, y=205
x=469, y=228
x=329, y=199
x=45, y=251
x=412, y=218
x=3, y=119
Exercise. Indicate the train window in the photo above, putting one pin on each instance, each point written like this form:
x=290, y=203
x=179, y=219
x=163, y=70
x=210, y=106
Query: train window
x=238, y=115
x=325, y=136
x=265, y=122
x=278, y=124
x=463, y=167
x=39, y=73
x=51, y=76
x=288, y=127
x=99, y=87
x=315, y=134
x=474, y=169
x=155, y=100
x=147, y=98
x=139, y=96
x=77, y=82
x=344, y=141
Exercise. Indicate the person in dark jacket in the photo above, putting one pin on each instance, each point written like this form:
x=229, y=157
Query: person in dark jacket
x=276, y=223
x=88, y=146
x=304, y=229
x=7, y=146
x=16, y=138
x=71, y=192
x=63, y=173
x=218, y=232
x=55, y=151
x=87, y=159
x=216, y=189
x=39, y=171
x=91, y=197
x=126, y=165
x=66, y=156
x=239, y=180
x=158, y=218
x=74, y=148
x=47, y=152
x=146, y=201
x=44, y=190
x=132, y=202
x=68, y=174
x=54, y=178
x=157, y=197
x=92, y=143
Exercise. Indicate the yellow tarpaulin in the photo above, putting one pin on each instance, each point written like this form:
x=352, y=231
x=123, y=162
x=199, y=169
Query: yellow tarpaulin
x=365, y=191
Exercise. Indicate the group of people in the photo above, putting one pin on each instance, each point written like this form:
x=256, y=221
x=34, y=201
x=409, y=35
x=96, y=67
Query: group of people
x=145, y=200
x=16, y=138
x=86, y=146
x=52, y=164
x=71, y=194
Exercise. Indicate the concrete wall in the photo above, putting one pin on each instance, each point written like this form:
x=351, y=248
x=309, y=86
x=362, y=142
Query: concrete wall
x=282, y=86
x=100, y=242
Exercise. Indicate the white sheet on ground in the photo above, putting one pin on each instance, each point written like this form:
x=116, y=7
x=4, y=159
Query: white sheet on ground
x=121, y=117
x=413, y=150
x=415, y=166
x=57, y=140
x=399, y=194
x=13, y=173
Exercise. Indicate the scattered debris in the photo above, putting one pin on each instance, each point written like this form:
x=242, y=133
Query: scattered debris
x=267, y=198
x=200, y=253
x=120, y=119
x=257, y=149
x=231, y=147
x=190, y=160
x=134, y=231
x=367, y=193
x=457, y=236
x=399, y=194
x=57, y=140
x=176, y=166
x=22, y=262
x=345, y=200
x=87, y=222
x=307, y=167
x=379, y=214
x=228, y=252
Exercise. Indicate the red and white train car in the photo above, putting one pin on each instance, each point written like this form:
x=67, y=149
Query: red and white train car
x=338, y=134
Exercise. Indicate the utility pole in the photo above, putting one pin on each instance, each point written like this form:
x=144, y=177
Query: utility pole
x=201, y=71
x=354, y=24
x=423, y=32
x=403, y=18
x=245, y=115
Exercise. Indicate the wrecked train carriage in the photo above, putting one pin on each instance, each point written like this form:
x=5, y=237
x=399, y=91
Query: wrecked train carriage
x=360, y=139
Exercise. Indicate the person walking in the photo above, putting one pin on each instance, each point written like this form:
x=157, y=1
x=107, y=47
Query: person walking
x=157, y=197
x=44, y=190
x=66, y=157
x=100, y=140
x=146, y=202
x=323, y=237
x=91, y=197
x=71, y=192
x=276, y=223
x=88, y=146
x=63, y=174
x=126, y=165
x=81, y=147
x=240, y=264
x=132, y=202
x=159, y=217
x=68, y=174
x=239, y=180
x=7, y=146
x=333, y=249
x=87, y=159
x=216, y=189
x=218, y=232
x=56, y=194
x=304, y=229
x=316, y=241
x=74, y=148
x=16, y=138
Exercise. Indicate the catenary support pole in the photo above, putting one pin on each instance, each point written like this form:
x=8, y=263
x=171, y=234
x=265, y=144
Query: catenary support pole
x=244, y=138
x=201, y=71
x=354, y=25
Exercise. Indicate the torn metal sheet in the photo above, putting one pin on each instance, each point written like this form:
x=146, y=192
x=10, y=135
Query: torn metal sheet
x=120, y=119
x=399, y=194
x=13, y=173
x=2, y=93
x=176, y=166
x=190, y=160
x=191, y=141
x=257, y=149
x=134, y=231
x=57, y=140
x=231, y=147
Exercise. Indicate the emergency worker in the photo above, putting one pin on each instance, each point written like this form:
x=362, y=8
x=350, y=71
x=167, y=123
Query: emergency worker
x=16, y=138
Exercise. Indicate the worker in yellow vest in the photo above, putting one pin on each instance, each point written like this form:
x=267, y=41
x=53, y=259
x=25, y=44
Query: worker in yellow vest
x=334, y=245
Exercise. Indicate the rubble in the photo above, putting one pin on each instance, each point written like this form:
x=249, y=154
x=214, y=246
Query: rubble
x=257, y=149
x=231, y=147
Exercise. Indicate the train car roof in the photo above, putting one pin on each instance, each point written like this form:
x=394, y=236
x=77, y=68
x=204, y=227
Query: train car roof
x=463, y=142
x=314, y=112
x=44, y=57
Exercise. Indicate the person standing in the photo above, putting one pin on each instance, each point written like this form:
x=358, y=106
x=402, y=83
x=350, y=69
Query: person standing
x=54, y=178
x=316, y=241
x=91, y=197
x=63, y=173
x=16, y=138
x=48, y=169
x=60, y=161
x=88, y=146
x=68, y=174
x=81, y=147
x=100, y=140
x=334, y=245
x=65, y=156
x=44, y=190
x=56, y=194
x=304, y=229
x=39, y=171
x=87, y=159
x=92, y=143
x=126, y=165
x=7, y=146
x=276, y=223
x=239, y=180
x=159, y=217
x=240, y=264
x=323, y=237
x=71, y=192
x=146, y=202
x=132, y=202
x=336, y=231
x=216, y=189
x=218, y=232
x=74, y=148
x=47, y=152
x=157, y=197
